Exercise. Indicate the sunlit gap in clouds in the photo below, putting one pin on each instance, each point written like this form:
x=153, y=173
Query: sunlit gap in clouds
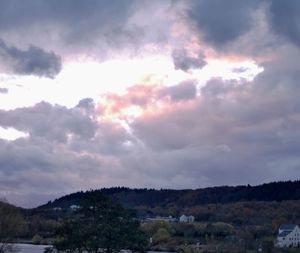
x=88, y=78
x=228, y=70
x=118, y=106
x=11, y=134
x=119, y=74
x=116, y=76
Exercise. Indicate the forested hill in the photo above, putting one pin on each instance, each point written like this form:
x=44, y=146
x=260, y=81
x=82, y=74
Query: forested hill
x=133, y=198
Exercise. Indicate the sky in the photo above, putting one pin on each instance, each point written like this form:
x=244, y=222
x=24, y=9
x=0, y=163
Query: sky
x=159, y=94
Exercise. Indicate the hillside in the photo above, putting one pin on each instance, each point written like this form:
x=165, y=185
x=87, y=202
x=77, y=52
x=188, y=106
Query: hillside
x=164, y=198
x=259, y=209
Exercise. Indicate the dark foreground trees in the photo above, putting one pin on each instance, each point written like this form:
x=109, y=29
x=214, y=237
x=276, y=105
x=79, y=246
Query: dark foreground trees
x=100, y=225
x=11, y=222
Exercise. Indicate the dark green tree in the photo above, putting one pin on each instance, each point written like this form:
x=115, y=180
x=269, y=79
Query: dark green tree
x=11, y=223
x=100, y=225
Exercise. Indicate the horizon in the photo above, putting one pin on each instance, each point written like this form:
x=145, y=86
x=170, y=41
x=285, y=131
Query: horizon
x=146, y=94
x=149, y=189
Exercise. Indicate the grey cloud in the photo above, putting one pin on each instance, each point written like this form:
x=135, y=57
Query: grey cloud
x=38, y=165
x=75, y=23
x=110, y=139
x=86, y=103
x=185, y=62
x=51, y=122
x=86, y=106
x=232, y=133
x=217, y=87
x=75, y=13
x=245, y=27
x=221, y=22
x=183, y=91
x=101, y=24
x=66, y=149
x=33, y=61
x=284, y=19
x=74, y=127
x=66, y=27
x=3, y=90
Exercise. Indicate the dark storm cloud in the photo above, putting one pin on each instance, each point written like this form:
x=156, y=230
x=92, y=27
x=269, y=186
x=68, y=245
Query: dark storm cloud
x=221, y=22
x=70, y=22
x=127, y=23
x=108, y=27
x=183, y=61
x=245, y=27
x=33, y=61
x=16, y=13
x=284, y=19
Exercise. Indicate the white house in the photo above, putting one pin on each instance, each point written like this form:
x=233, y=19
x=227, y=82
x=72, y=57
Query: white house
x=288, y=236
x=184, y=218
x=159, y=218
x=74, y=207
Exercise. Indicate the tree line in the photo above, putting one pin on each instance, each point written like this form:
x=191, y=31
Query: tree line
x=276, y=191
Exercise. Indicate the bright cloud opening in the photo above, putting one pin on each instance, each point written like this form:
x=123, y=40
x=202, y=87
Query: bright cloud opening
x=87, y=78
x=11, y=134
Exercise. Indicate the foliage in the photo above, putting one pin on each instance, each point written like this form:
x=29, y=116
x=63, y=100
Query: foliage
x=37, y=239
x=159, y=199
x=188, y=249
x=161, y=235
x=11, y=222
x=151, y=227
x=39, y=225
x=100, y=224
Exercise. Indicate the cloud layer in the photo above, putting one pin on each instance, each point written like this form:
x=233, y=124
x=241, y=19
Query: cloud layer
x=188, y=134
x=33, y=61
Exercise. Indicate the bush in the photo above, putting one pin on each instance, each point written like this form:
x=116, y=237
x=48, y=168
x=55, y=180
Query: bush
x=37, y=239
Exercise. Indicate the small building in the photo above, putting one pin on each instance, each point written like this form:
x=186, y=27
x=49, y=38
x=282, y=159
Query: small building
x=187, y=218
x=288, y=236
x=160, y=218
x=74, y=207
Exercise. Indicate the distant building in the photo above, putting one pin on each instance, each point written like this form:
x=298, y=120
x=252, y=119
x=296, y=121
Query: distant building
x=288, y=236
x=160, y=218
x=185, y=218
x=74, y=207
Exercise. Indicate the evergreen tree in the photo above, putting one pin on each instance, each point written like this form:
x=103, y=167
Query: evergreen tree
x=100, y=225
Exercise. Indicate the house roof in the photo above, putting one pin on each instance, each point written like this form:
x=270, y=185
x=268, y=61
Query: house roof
x=284, y=233
x=287, y=226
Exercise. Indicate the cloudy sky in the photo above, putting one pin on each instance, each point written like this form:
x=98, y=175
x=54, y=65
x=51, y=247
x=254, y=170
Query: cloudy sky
x=138, y=93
